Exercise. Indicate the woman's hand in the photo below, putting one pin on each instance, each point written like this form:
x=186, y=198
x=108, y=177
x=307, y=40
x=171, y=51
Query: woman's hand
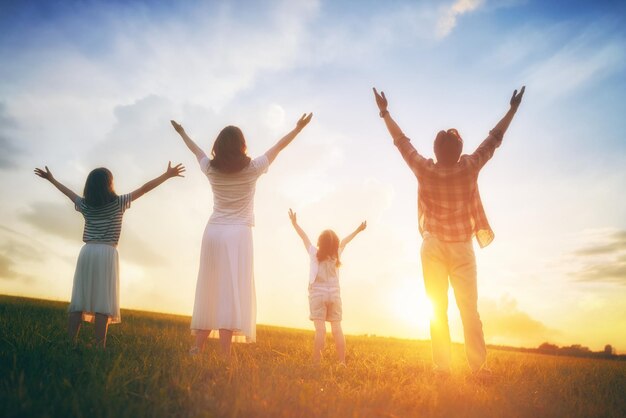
x=381, y=100
x=44, y=174
x=304, y=121
x=516, y=99
x=362, y=226
x=178, y=127
x=273, y=152
x=292, y=216
x=175, y=171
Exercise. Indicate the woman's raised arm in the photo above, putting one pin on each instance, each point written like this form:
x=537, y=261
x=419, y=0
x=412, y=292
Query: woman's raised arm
x=193, y=147
x=286, y=140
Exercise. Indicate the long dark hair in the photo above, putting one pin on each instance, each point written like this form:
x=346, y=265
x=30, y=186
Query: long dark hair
x=99, y=188
x=328, y=247
x=229, y=151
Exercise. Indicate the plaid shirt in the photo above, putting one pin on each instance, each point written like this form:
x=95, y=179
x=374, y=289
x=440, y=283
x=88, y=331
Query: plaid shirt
x=448, y=201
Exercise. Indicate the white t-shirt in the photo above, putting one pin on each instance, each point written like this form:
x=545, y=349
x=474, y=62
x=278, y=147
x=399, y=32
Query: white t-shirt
x=323, y=273
x=233, y=193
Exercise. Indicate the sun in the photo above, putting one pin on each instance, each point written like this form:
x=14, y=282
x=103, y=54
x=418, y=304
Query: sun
x=411, y=307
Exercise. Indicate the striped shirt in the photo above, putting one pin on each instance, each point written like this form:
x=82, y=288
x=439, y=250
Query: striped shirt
x=233, y=193
x=103, y=224
x=448, y=201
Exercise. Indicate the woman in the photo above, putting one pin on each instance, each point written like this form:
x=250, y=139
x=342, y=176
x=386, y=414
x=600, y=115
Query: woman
x=225, y=296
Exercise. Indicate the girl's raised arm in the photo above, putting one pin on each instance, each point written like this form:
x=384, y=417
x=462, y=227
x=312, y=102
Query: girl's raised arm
x=305, y=239
x=286, y=140
x=350, y=237
x=175, y=171
x=48, y=176
x=193, y=147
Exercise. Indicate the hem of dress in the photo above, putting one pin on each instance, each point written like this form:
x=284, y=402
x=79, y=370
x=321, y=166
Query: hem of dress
x=91, y=317
x=238, y=335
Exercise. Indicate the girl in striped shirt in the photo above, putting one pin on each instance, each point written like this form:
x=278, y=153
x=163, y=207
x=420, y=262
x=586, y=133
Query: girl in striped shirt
x=95, y=291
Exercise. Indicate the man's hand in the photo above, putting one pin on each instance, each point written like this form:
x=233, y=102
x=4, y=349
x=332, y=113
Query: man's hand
x=516, y=99
x=44, y=174
x=381, y=100
x=362, y=226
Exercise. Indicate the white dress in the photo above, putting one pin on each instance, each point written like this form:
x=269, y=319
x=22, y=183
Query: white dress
x=225, y=294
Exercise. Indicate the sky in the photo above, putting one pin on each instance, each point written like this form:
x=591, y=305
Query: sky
x=85, y=84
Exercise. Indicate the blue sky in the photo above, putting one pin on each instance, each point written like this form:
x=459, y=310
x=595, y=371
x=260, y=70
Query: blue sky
x=84, y=84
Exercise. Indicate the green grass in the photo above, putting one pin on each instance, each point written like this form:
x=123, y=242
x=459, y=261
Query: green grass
x=146, y=372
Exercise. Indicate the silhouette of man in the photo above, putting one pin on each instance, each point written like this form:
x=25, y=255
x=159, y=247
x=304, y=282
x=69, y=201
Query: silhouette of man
x=450, y=213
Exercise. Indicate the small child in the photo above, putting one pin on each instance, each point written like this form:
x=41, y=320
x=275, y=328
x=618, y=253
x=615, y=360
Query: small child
x=95, y=291
x=324, y=294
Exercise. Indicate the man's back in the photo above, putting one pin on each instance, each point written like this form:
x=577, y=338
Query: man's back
x=448, y=203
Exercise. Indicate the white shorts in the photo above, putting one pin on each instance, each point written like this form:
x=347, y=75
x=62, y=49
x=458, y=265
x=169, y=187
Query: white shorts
x=325, y=303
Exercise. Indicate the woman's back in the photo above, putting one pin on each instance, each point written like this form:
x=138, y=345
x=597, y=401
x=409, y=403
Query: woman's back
x=233, y=193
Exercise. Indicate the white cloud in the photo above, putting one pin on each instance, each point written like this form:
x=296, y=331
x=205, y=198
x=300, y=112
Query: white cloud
x=587, y=58
x=504, y=321
x=275, y=117
x=207, y=58
x=449, y=15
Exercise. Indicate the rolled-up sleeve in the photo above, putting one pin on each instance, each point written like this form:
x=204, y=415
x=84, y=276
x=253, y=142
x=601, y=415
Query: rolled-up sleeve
x=486, y=149
x=410, y=154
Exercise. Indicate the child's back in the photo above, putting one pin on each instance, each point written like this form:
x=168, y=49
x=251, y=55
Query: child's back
x=324, y=295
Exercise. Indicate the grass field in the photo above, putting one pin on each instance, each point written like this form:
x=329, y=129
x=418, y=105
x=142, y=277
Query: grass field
x=147, y=372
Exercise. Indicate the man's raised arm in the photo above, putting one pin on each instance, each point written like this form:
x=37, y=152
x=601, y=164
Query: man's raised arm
x=409, y=153
x=393, y=128
x=504, y=123
x=485, y=150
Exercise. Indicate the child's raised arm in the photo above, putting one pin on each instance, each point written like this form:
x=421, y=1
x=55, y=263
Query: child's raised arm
x=175, y=171
x=193, y=147
x=272, y=153
x=350, y=237
x=48, y=176
x=294, y=221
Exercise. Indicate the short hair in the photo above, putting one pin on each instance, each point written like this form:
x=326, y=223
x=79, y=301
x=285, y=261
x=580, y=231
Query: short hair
x=229, y=151
x=448, y=146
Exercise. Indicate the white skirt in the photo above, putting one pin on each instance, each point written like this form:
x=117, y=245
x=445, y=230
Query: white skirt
x=225, y=293
x=96, y=287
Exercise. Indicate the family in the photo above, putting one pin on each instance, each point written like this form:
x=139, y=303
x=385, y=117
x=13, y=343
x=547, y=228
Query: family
x=449, y=208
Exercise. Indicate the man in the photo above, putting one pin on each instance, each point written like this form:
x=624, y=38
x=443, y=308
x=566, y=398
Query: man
x=450, y=213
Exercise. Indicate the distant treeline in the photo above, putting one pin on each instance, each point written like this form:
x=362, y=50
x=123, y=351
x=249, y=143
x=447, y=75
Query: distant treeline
x=575, y=350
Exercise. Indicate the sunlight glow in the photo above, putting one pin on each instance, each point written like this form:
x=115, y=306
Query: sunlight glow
x=411, y=307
